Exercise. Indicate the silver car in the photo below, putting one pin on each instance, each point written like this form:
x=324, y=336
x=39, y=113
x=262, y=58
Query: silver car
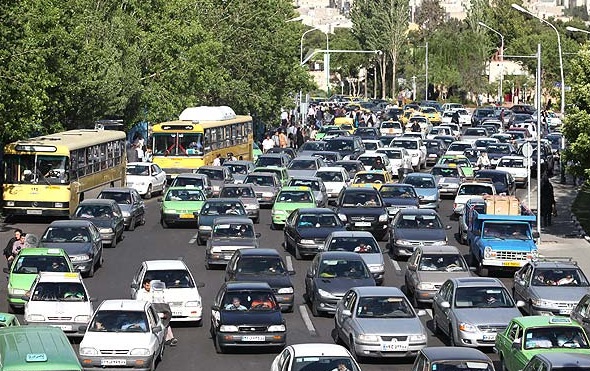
x=239, y=169
x=228, y=235
x=246, y=194
x=448, y=178
x=266, y=186
x=131, y=205
x=471, y=311
x=361, y=242
x=429, y=267
x=550, y=286
x=317, y=186
x=200, y=181
x=305, y=165
x=379, y=322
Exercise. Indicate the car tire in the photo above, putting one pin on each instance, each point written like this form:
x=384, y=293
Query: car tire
x=142, y=221
x=503, y=363
x=91, y=271
x=161, y=355
x=256, y=220
x=314, y=309
x=452, y=341
x=163, y=223
x=435, y=328
x=132, y=224
x=114, y=243
x=100, y=260
x=148, y=194
x=200, y=241
x=218, y=347
x=298, y=254
x=352, y=349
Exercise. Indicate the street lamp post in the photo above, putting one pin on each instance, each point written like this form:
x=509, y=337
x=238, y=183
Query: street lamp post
x=523, y=10
x=501, y=95
x=574, y=29
x=425, y=71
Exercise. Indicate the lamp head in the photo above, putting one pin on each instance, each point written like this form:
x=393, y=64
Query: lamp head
x=574, y=29
x=519, y=8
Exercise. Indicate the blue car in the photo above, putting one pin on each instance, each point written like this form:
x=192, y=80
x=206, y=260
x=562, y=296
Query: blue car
x=426, y=188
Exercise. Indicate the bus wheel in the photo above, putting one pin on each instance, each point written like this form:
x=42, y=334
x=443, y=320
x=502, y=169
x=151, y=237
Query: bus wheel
x=148, y=194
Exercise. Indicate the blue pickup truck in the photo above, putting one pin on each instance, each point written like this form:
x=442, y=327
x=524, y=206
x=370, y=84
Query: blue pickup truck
x=498, y=242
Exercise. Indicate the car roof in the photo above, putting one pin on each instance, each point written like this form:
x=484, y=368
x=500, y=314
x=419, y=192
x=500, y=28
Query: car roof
x=443, y=249
x=263, y=173
x=345, y=255
x=123, y=304
x=60, y=277
x=296, y=188
x=259, y=252
x=301, y=177
x=538, y=321
x=222, y=200
x=70, y=223
x=42, y=251
x=379, y=290
x=417, y=212
x=315, y=210
x=415, y=175
x=116, y=189
x=98, y=201
x=568, y=360
x=246, y=285
x=331, y=168
x=191, y=175
x=555, y=263
x=305, y=158
x=272, y=154
x=233, y=219
x=454, y=354
x=352, y=234
x=210, y=167
x=139, y=163
x=319, y=349
x=477, y=282
x=157, y=265
x=238, y=162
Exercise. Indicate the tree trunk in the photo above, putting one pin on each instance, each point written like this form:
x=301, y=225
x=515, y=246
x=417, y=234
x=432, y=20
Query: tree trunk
x=383, y=76
x=393, y=75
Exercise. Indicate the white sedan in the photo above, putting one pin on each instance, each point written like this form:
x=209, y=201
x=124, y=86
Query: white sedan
x=335, y=178
x=314, y=356
x=517, y=166
x=398, y=157
x=146, y=178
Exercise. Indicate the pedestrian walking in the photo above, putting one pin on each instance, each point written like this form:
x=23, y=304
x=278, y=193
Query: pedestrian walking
x=548, y=206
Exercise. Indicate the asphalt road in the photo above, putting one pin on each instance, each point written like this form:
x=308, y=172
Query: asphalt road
x=195, y=347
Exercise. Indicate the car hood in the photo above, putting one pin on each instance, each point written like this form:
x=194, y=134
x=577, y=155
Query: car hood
x=390, y=326
x=65, y=307
x=181, y=294
x=98, y=222
x=106, y=340
x=515, y=171
x=71, y=248
x=560, y=293
x=338, y=286
x=295, y=173
x=137, y=178
x=447, y=180
x=261, y=317
x=223, y=243
x=322, y=232
x=438, y=277
x=274, y=281
x=183, y=205
x=486, y=316
x=372, y=258
x=260, y=188
x=421, y=234
x=334, y=186
x=511, y=245
x=126, y=207
x=400, y=201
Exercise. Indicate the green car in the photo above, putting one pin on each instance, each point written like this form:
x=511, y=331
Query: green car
x=458, y=160
x=181, y=205
x=27, y=264
x=8, y=320
x=256, y=151
x=526, y=337
x=324, y=130
x=289, y=199
x=281, y=172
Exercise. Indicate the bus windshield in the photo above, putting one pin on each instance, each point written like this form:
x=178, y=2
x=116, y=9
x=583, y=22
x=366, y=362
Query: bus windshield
x=178, y=144
x=33, y=169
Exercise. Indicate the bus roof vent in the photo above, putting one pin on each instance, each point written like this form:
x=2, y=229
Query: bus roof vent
x=207, y=113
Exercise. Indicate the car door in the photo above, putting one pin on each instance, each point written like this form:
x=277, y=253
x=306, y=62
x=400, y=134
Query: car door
x=159, y=175
x=347, y=323
x=118, y=218
x=521, y=284
x=289, y=229
x=341, y=306
x=155, y=321
x=230, y=270
x=137, y=280
x=309, y=277
x=581, y=313
x=412, y=273
x=510, y=355
x=96, y=242
x=444, y=318
x=138, y=205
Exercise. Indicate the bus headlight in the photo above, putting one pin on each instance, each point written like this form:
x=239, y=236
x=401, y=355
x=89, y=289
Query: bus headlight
x=9, y=203
x=58, y=204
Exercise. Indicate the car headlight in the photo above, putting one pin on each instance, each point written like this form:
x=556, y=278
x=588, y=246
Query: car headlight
x=140, y=352
x=267, y=194
x=439, y=243
x=285, y=290
x=343, y=217
x=170, y=211
x=125, y=213
x=307, y=242
x=82, y=318
x=487, y=252
x=86, y=351
x=12, y=291
x=279, y=212
x=194, y=303
x=543, y=303
x=276, y=328
x=467, y=327
x=9, y=203
x=420, y=338
x=35, y=318
x=383, y=217
x=106, y=230
x=426, y=286
x=228, y=328
x=376, y=267
x=362, y=338
x=79, y=258
x=326, y=294
x=403, y=242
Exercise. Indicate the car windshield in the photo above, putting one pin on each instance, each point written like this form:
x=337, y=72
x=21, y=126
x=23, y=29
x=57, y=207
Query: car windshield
x=503, y=231
x=555, y=337
x=348, y=166
x=313, y=146
x=327, y=156
x=138, y=170
x=407, y=144
x=237, y=192
x=181, y=181
x=398, y=191
x=185, y=194
x=482, y=297
x=363, y=245
x=121, y=198
x=384, y=307
x=447, y=172
x=119, y=321
x=251, y=301
x=496, y=148
x=233, y=230
x=223, y=208
x=340, y=268
x=261, y=265
x=484, y=142
x=94, y=211
x=442, y=263
x=263, y=181
x=66, y=234
x=432, y=143
x=330, y=176
x=269, y=161
x=515, y=163
x=59, y=291
x=391, y=125
x=420, y=181
x=391, y=154
x=455, y=365
x=237, y=168
x=363, y=178
x=475, y=190
x=371, y=146
x=321, y=363
x=368, y=199
x=313, y=184
x=294, y=196
x=418, y=222
x=213, y=174
x=495, y=177
x=339, y=145
x=368, y=160
x=318, y=221
x=303, y=165
x=35, y=264
x=172, y=278
x=517, y=134
x=459, y=147
x=483, y=113
x=559, y=277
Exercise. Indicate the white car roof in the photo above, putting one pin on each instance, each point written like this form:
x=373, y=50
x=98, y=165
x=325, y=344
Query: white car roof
x=319, y=349
x=370, y=140
x=373, y=154
x=60, y=277
x=330, y=169
x=156, y=265
x=512, y=158
x=123, y=304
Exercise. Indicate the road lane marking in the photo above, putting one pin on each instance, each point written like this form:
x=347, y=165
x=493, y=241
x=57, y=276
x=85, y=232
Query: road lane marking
x=395, y=265
x=194, y=238
x=289, y=263
x=307, y=320
x=429, y=312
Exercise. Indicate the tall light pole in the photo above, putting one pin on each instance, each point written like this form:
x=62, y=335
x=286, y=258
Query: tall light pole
x=426, y=63
x=523, y=10
x=574, y=29
x=301, y=43
x=501, y=95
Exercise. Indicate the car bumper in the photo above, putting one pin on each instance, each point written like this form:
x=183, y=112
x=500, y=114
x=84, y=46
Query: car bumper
x=140, y=188
x=186, y=314
x=383, y=350
x=285, y=301
x=15, y=301
x=428, y=204
x=309, y=249
x=279, y=218
x=69, y=328
x=83, y=266
x=327, y=305
x=177, y=218
x=97, y=363
x=402, y=250
x=476, y=339
x=504, y=263
x=431, y=160
x=266, y=201
x=448, y=190
x=219, y=259
x=425, y=296
x=378, y=228
x=539, y=311
x=204, y=233
x=272, y=339
x=253, y=213
x=108, y=238
x=16, y=211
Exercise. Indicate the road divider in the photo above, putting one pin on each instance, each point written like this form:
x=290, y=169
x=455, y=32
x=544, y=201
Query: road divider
x=307, y=320
x=289, y=262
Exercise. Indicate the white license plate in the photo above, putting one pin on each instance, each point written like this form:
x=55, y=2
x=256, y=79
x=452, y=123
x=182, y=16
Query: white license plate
x=362, y=224
x=395, y=347
x=113, y=362
x=565, y=311
x=63, y=327
x=253, y=338
x=177, y=313
x=489, y=337
x=35, y=212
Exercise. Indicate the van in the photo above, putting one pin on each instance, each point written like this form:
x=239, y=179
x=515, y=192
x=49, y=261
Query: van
x=40, y=348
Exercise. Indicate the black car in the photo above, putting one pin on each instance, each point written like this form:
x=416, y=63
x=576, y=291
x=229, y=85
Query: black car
x=264, y=265
x=352, y=166
x=519, y=118
x=348, y=147
x=306, y=230
x=286, y=150
x=272, y=159
x=80, y=239
x=106, y=215
x=131, y=204
x=480, y=113
x=311, y=146
x=246, y=314
x=367, y=133
x=329, y=157
x=435, y=148
x=330, y=275
x=503, y=181
x=364, y=210
x=399, y=196
x=218, y=175
x=547, y=158
x=498, y=150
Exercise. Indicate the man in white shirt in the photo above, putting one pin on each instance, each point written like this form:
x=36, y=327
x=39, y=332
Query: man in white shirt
x=267, y=144
x=146, y=294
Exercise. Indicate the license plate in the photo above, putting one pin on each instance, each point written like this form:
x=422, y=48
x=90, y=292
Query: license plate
x=362, y=224
x=253, y=338
x=395, y=347
x=511, y=264
x=176, y=313
x=35, y=212
x=187, y=216
x=565, y=311
x=113, y=362
x=489, y=337
x=63, y=327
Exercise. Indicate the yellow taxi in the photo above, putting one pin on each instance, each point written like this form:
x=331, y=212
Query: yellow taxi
x=372, y=178
x=405, y=118
x=431, y=114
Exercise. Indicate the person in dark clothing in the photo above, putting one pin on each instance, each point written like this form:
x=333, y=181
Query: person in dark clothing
x=299, y=137
x=378, y=165
x=547, y=201
x=455, y=118
x=8, y=249
x=416, y=127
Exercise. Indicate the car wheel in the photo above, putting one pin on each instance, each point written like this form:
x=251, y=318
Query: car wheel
x=100, y=262
x=218, y=347
x=148, y=194
x=161, y=355
x=91, y=271
x=153, y=365
x=452, y=341
x=132, y=224
x=503, y=363
x=314, y=309
x=163, y=223
x=352, y=349
x=114, y=243
x=256, y=220
x=200, y=241
x=298, y=254
x=435, y=328
x=142, y=221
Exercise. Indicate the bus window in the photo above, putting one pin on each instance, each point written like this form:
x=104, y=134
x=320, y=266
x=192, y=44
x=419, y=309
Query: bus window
x=190, y=144
x=33, y=169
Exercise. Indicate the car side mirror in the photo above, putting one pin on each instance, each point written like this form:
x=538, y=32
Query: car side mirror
x=25, y=297
x=258, y=235
x=536, y=234
x=200, y=285
x=160, y=199
x=516, y=344
x=412, y=267
x=346, y=313
x=156, y=329
x=82, y=328
x=134, y=286
x=445, y=305
x=520, y=304
x=5, y=270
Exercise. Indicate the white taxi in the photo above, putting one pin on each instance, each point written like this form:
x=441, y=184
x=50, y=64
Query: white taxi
x=335, y=178
x=146, y=178
x=60, y=300
x=181, y=292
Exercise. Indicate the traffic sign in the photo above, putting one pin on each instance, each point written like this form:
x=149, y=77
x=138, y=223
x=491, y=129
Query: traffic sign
x=527, y=150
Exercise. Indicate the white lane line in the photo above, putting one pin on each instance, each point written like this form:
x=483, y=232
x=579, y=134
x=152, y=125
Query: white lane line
x=395, y=265
x=429, y=311
x=289, y=263
x=194, y=238
x=307, y=320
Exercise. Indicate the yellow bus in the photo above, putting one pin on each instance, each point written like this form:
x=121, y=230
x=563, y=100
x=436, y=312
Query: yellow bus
x=200, y=134
x=49, y=175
